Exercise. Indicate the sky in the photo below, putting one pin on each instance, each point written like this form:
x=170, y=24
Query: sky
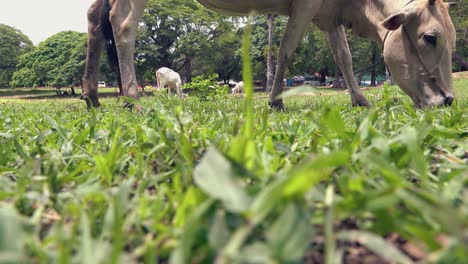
x=40, y=19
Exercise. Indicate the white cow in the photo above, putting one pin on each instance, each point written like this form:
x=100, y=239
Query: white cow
x=238, y=88
x=166, y=76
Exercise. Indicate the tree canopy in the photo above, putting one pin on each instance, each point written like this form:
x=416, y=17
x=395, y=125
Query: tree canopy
x=58, y=61
x=13, y=44
x=181, y=33
x=460, y=20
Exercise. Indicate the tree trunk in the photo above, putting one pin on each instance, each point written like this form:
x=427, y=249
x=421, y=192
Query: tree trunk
x=338, y=83
x=270, y=62
x=373, y=61
x=359, y=78
x=188, y=70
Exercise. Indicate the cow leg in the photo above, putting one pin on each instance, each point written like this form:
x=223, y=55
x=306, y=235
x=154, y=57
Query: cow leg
x=124, y=17
x=162, y=83
x=339, y=46
x=178, y=89
x=95, y=45
x=157, y=81
x=170, y=86
x=300, y=17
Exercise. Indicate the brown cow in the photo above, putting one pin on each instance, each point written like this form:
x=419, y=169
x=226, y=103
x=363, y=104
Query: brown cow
x=417, y=36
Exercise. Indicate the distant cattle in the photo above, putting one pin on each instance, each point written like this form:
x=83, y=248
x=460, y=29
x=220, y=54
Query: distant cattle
x=239, y=88
x=171, y=79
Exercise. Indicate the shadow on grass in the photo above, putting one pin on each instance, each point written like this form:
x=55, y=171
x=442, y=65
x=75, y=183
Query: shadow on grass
x=52, y=93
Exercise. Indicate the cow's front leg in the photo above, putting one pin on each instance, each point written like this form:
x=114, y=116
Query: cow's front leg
x=339, y=46
x=95, y=44
x=179, y=89
x=124, y=17
x=158, y=82
x=300, y=17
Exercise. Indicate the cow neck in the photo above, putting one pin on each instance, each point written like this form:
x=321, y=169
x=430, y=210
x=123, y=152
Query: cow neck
x=365, y=17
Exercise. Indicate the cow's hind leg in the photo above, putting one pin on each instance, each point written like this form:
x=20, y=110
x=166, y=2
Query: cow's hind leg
x=124, y=16
x=300, y=17
x=339, y=46
x=95, y=44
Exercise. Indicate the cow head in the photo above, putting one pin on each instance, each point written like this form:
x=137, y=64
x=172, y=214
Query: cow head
x=418, y=51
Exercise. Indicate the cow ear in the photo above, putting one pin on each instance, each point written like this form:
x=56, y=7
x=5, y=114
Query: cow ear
x=450, y=4
x=395, y=20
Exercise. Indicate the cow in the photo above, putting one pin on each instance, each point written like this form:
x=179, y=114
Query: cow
x=166, y=76
x=238, y=88
x=417, y=37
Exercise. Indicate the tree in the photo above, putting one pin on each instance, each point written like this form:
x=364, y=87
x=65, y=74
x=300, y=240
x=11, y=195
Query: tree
x=259, y=43
x=313, y=55
x=13, y=44
x=460, y=21
x=158, y=31
x=374, y=55
x=270, y=60
x=221, y=57
x=72, y=71
x=199, y=31
x=58, y=61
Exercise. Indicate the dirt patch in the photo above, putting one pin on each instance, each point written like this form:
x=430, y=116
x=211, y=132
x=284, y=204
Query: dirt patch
x=460, y=75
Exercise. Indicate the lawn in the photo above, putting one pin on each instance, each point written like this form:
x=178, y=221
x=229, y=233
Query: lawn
x=189, y=181
x=48, y=93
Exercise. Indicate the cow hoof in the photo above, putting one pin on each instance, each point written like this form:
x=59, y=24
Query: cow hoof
x=276, y=105
x=132, y=106
x=361, y=102
x=128, y=105
x=90, y=102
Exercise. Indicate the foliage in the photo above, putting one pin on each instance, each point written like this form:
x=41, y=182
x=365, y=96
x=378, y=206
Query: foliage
x=13, y=44
x=460, y=21
x=206, y=87
x=259, y=41
x=180, y=33
x=156, y=35
x=313, y=55
x=221, y=57
x=181, y=182
x=58, y=61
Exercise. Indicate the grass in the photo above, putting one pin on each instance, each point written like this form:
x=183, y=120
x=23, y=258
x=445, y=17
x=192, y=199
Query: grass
x=47, y=92
x=183, y=182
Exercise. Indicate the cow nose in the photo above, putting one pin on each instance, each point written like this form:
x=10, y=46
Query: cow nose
x=449, y=100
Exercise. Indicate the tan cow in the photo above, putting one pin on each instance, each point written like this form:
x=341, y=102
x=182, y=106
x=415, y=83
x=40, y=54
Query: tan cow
x=171, y=79
x=418, y=38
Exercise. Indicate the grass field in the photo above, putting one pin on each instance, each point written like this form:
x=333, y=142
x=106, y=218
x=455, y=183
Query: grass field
x=48, y=93
x=186, y=181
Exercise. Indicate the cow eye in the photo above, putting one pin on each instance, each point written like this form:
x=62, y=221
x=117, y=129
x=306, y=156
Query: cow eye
x=430, y=39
